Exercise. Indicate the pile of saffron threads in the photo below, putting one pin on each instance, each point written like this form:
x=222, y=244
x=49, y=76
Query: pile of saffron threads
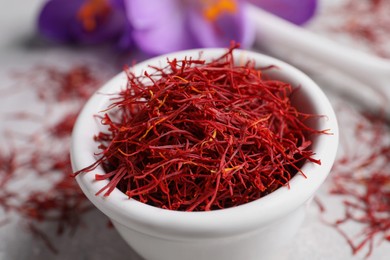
x=202, y=136
x=362, y=177
x=44, y=153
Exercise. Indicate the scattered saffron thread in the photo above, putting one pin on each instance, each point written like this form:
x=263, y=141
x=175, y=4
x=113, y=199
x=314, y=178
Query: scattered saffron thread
x=367, y=21
x=63, y=204
x=362, y=177
x=50, y=83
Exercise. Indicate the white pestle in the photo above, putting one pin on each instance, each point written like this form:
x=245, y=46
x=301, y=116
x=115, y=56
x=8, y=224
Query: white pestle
x=282, y=38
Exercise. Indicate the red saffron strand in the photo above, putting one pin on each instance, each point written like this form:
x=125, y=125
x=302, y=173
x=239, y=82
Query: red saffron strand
x=363, y=180
x=43, y=154
x=52, y=83
x=202, y=136
x=367, y=23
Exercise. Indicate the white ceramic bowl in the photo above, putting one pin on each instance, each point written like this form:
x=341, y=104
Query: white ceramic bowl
x=256, y=230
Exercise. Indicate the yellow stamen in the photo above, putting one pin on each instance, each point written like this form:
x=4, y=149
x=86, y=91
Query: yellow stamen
x=123, y=153
x=178, y=77
x=162, y=102
x=231, y=168
x=91, y=11
x=151, y=127
x=214, y=134
x=196, y=90
x=260, y=120
x=227, y=171
x=215, y=8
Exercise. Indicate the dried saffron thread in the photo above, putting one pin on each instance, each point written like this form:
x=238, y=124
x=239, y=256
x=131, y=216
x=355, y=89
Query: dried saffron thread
x=7, y=166
x=61, y=204
x=363, y=179
x=366, y=21
x=56, y=84
x=41, y=153
x=202, y=136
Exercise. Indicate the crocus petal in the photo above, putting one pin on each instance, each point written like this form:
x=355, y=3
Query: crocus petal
x=159, y=30
x=125, y=41
x=150, y=13
x=297, y=12
x=58, y=21
x=114, y=26
x=219, y=33
x=55, y=18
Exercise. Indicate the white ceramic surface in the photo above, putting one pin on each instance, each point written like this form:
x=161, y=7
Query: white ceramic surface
x=288, y=40
x=256, y=230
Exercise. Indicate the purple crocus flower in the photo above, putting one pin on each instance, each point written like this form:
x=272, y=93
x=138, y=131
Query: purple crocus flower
x=160, y=26
x=86, y=22
x=169, y=25
x=298, y=11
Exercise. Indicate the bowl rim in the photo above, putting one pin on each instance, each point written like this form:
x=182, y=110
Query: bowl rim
x=231, y=221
